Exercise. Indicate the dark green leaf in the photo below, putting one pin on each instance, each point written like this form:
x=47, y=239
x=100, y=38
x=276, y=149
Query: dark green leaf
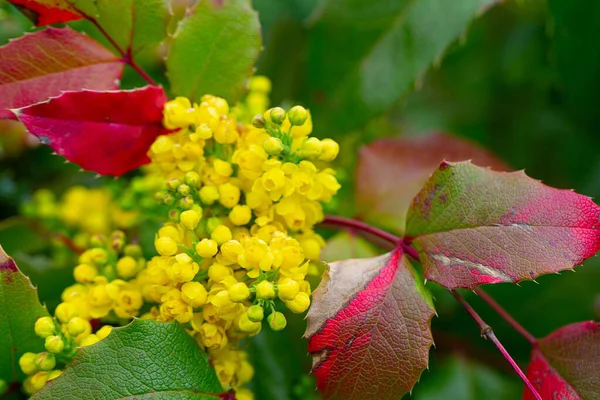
x=366, y=55
x=214, y=49
x=145, y=359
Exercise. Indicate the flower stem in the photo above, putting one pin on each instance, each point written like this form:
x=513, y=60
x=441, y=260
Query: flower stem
x=488, y=333
x=506, y=316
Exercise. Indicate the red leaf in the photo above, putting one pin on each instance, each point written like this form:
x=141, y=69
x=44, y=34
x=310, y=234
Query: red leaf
x=369, y=328
x=391, y=172
x=106, y=132
x=566, y=364
x=43, y=64
x=473, y=226
x=46, y=12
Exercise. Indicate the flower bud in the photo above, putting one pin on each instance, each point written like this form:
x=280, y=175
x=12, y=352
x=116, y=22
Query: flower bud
x=209, y=194
x=45, y=327
x=192, y=179
x=247, y=325
x=190, y=219
x=89, y=340
x=312, y=148
x=127, y=267
x=256, y=313
x=65, y=311
x=54, y=374
x=133, y=250
x=238, y=292
x=183, y=190
x=299, y=304
x=277, y=115
x=45, y=361
x=297, y=115
x=276, y=321
x=77, y=326
x=54, y=344
x=258, y=121
x=27, y=363
x=194, y=293
x=329, y=151
x=165, y=246
x=221, y=234
x=104, y=332
x=240, y=215
x=265, y=290
x=287, y=289
x=186, y=202
x=39, y=380
x=273, y=146
x=207, y=248
x=173, y=184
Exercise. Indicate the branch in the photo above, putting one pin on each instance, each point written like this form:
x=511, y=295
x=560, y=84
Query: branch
x=369, y=232
x=488, y=333
x=506, y=316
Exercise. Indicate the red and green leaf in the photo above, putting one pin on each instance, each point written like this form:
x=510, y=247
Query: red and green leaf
x=46, y=12
x=43, y=64
x=19, y=309
x=106, y=132
x=391, y=172
x=472, y=226
x=565, y=364
x=369, y=328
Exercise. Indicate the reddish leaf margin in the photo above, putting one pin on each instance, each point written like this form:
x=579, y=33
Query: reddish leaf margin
x=107, y=132
x=45, y=63
x=46, y=12
x=369, y=328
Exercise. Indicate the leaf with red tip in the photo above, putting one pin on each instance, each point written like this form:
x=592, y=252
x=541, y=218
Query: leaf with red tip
x=46, y=12
x=19, y=309
x=106, y=132
x=566, y=363
x=391, y=171
x=43, y=64
x=472, y=226
x=369, y=328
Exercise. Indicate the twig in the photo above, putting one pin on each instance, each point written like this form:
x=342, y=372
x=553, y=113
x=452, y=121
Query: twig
x=506, y=316
x=369, y=232
x=488, y=333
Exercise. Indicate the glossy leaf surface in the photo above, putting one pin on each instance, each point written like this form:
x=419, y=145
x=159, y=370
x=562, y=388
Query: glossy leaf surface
x=143, y=360
x=369, y=328
x=472, y=226
x=106, y=132
x=214, y=49
x=19, y=309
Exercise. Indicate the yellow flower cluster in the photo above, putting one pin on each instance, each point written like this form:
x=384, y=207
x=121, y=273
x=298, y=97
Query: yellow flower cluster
x=244, y=199
x=81, y=211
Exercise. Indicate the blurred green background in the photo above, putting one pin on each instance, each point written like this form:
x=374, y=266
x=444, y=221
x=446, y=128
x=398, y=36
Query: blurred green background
x=523, y=81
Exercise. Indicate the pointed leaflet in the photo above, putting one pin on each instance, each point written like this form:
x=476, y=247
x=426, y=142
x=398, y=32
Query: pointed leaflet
x=472, y=226
x=391, y=172
x=19, y=309
x=368, y=328
x=214, y=49
x=106, y=132
x=143, y=360
x=365, y=55
x=566, y=363
x=43, y=64
x=46, y=12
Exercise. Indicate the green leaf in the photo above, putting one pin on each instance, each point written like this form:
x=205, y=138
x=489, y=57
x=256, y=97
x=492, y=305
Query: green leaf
x=214, y=49
x=367, y=55
x=473, y=226
x=19, y=309
x=145, y=359
x=134, y=25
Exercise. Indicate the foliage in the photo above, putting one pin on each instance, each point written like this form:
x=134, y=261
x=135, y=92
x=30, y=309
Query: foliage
x=181, y=278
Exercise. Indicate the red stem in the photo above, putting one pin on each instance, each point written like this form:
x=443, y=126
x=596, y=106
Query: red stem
x=370, y=231
x=488, y=333
x=506, y=316
x=125, y=56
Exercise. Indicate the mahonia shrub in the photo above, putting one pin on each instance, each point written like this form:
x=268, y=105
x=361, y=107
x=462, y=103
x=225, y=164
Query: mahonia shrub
x=231, y=193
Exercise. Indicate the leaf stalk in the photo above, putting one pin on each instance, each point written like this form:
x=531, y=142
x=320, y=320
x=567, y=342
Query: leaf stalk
x=488, y=333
